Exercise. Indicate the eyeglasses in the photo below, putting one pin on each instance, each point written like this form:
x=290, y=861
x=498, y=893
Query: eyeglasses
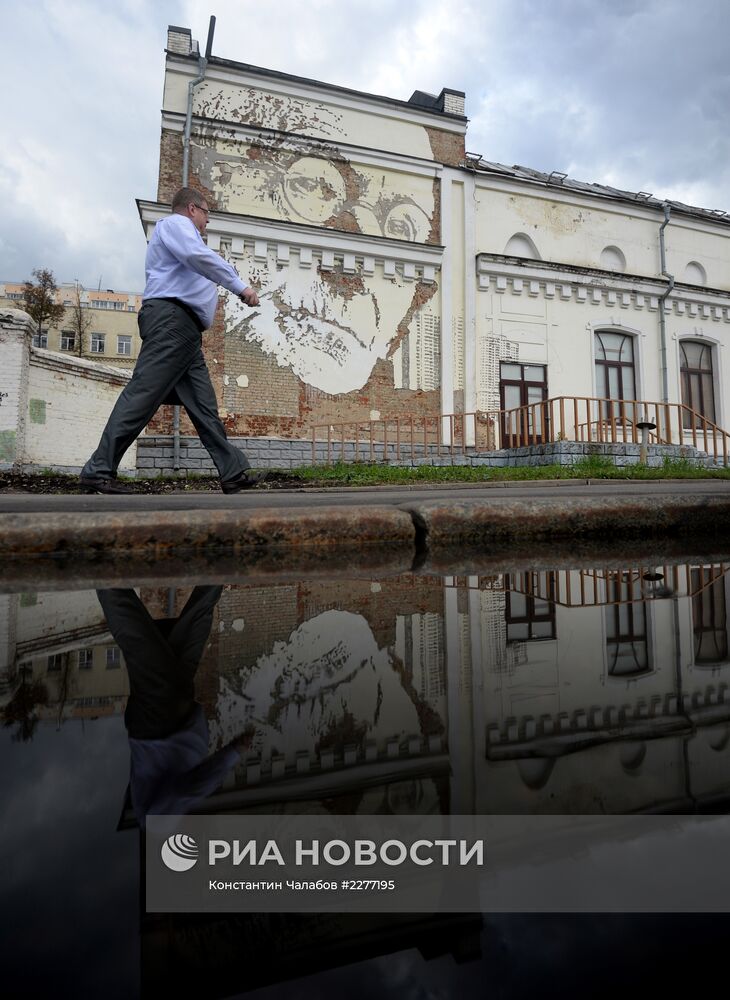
x=201, y=209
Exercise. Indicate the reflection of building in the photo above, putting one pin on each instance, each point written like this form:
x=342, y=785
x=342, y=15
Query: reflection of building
x=401, y=276
x=527, y=688
x=395, y=697
x=59, y=643
x=109, y=319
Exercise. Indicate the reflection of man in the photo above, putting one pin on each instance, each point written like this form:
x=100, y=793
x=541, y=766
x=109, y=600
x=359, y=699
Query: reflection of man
x=179, y=302
x=168, y=733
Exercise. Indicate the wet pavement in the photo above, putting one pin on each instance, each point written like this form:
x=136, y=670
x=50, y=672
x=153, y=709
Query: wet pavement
x=527, y=685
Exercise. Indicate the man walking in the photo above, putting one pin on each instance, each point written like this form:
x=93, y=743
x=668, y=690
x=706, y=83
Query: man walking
x=178, y=304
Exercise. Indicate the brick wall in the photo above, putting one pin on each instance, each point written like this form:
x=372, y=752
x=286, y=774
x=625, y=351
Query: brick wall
x=447, y=147
x=69, y=402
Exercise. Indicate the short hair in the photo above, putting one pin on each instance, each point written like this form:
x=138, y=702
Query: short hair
x=185, y=196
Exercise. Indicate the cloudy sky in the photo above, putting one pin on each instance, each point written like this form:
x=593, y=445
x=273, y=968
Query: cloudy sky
x=633, y=93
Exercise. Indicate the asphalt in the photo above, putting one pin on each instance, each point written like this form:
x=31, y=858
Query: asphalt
x=365, y=496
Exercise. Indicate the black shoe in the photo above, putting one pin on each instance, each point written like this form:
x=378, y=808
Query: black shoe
x=104, y=484
x=245, y=481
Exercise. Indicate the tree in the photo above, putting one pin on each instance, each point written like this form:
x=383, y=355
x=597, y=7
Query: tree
x=21, y=712
x=78, y=320
x=40, y=299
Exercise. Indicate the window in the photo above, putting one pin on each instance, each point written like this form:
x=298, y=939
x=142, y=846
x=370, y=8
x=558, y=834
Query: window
x=16, y=296
x=55, y=662
x=626, y=633
x=709, y=617
x=695, y=371
x=40, y=339
x=97, y=343
x=615, y=377
x=68, y=340
x=529, y=611
x=113, y=658
x=86, y=659
x=119, y=306
x=124, y=345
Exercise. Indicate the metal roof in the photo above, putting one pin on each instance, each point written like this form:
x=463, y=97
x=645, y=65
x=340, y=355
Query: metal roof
x=560, y=181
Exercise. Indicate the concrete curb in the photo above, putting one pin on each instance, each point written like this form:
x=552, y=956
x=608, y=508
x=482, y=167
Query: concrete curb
x=478, y=523
x=412, y=528
x=160, y=534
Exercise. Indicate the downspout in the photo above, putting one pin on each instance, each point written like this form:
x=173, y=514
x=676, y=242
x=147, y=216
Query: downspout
x=662, y=304
x=202, y=63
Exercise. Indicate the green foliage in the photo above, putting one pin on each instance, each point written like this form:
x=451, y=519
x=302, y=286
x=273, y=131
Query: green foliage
x=39, y=299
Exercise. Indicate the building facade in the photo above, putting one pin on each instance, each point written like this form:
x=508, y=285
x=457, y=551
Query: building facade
x=109, y=318
x=401, y=277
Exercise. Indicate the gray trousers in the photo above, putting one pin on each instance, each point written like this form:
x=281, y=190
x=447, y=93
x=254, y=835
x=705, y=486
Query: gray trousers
x=170, y=367
x=161, y=656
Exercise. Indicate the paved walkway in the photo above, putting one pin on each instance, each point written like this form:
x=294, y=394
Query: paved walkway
x=312, y=498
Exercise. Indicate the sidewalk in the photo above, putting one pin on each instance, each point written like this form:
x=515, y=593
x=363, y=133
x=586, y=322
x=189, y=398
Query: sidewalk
x=332, y=524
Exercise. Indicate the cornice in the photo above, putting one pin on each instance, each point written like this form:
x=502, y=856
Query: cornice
x=535, y=279
x=310, y=246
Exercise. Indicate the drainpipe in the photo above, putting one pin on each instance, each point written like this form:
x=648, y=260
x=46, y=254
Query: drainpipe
x=202, y=63
x=662, y=304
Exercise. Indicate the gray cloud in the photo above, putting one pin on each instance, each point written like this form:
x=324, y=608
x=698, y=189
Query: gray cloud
x=634, y=93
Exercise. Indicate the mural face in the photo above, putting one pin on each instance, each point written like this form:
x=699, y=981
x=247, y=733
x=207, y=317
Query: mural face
x=330, y=681
x=313, y=183
x=329, y=328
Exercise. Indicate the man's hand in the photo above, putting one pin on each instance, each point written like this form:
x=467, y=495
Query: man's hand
x=249, y=297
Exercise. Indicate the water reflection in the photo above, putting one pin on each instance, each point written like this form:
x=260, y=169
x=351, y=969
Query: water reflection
x=170, y=769
x=584, y=690
x=565, y=690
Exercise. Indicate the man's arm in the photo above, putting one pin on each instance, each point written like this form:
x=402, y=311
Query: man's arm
x=184, y=242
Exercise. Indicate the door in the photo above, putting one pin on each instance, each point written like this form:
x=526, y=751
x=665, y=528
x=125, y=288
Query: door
x=520, y=386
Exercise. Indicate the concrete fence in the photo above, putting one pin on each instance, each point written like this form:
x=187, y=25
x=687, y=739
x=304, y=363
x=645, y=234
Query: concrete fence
x=53, y=407
x=155, y=455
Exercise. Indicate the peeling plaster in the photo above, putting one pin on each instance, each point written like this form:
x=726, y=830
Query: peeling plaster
x=254, y=107
x=242, y=381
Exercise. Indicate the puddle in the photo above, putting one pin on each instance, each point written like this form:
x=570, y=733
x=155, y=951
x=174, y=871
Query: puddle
x=566, y=690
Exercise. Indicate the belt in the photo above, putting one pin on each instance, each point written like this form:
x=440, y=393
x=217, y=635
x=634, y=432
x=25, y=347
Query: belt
x=185, y=308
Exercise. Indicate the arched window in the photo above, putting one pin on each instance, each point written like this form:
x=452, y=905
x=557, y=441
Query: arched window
x=695, y=274
x=695, y=369
x=613, y=259
x=520, y=245
x=615, y=375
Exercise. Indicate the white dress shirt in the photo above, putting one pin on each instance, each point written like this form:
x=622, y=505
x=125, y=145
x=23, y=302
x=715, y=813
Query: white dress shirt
x=179, y=265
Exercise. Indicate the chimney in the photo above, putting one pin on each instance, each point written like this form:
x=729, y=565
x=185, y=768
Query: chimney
x=179, y=40
x=452, y=101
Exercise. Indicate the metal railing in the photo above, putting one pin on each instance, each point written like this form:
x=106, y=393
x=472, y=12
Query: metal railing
x=585, y=419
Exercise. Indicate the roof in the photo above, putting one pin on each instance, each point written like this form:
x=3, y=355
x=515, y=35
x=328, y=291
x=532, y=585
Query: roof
x=560, y=181
x=437, y=108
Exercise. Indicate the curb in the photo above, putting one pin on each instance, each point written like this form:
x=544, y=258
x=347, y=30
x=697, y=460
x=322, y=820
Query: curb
x=161, y=534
